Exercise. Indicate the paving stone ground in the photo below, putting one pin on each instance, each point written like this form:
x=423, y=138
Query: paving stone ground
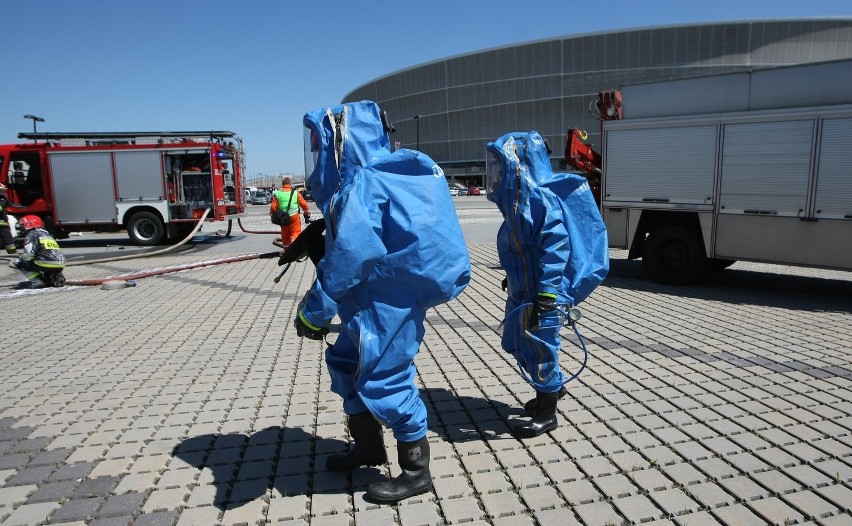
x=189, y=400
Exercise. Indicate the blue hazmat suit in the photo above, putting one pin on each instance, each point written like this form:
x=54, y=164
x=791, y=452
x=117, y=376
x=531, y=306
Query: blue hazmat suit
x=552, y=243
x=393, y=249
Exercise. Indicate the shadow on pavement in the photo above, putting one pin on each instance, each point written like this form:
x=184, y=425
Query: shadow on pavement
x=246, y=467
x=292, y=461
x=463, y=418
x=742, y=287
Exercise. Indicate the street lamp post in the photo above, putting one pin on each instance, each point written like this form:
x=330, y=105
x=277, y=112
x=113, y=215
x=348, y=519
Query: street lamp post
x=417, y=120
x=35, y=120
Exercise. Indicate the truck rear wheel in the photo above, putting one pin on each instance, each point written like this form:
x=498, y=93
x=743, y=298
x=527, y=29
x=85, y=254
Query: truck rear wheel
x=146, y=229
x=674, y=255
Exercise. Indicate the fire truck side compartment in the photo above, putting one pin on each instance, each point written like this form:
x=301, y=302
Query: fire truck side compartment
x=83, y=187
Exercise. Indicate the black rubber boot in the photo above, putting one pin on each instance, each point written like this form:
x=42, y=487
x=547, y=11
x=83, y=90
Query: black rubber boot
x=529, y=407
x=544, y=419
x=54, y=279
x=414, y=479
x=369, y=448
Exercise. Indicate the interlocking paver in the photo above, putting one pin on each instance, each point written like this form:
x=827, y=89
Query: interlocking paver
x=195, y=516
x=462, y=510
x=596, y=466
x=31, y=514
x=165, y=500
x=812, y=505
x=674, y=501
x=77, y=510
x=288, y=507
x=556, y=517
x=162, y=518
x=737, y=515
x=836, y=520
x=840, y=495
x=53, y=491
x=541, y=497
x=501, y=504
x=459, y=486
x=808, y=476
x=776, y=511
x=640, y=507
x=250, y=513
x=598, y=513
x=421, y=513
x=369, y=516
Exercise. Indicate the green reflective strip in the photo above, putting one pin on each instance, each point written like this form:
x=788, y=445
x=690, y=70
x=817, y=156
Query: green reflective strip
x=310, y=325
x=50, y=265
x=547, y=294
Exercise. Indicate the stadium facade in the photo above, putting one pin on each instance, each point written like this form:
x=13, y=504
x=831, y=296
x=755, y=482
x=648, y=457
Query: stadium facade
x=451, y=108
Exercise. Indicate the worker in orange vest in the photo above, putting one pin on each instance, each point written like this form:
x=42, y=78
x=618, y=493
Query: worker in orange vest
x=290, y=200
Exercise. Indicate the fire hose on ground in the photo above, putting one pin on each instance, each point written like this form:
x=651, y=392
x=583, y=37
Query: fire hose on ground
x=125, y=280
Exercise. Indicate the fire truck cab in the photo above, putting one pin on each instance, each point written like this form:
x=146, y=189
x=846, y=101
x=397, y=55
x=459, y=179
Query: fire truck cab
x=155, y=185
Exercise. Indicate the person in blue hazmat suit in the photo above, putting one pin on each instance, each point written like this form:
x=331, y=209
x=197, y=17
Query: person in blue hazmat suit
x=551, y=261
x=393, y=249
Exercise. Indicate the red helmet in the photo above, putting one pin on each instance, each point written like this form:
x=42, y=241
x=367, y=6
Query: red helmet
x=30, y=222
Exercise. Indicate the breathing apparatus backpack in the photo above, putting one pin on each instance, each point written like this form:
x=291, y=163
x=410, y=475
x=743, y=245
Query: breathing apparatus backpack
x=588, y=261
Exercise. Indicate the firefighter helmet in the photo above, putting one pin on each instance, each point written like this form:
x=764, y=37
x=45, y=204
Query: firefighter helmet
x=30, y=222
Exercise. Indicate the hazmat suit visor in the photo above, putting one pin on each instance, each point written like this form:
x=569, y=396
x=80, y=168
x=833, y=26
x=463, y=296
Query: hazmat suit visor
x=312, y=151
x=494, y=171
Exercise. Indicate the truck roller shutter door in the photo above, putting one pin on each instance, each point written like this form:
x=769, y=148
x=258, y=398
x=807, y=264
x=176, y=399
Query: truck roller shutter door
x=834, y=181
x=666, y=165
x=766, y=167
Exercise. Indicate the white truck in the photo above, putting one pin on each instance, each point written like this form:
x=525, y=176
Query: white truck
x=697, y=174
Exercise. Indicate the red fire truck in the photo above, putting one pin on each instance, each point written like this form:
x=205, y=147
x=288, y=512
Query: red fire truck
x=156, y=185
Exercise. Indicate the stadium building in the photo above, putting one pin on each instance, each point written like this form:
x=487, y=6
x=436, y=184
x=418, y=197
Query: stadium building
x=451, y=108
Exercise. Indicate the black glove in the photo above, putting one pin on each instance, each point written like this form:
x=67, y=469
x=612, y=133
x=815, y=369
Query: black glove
x=303, y=331
x=504, y=284
x=543, y=303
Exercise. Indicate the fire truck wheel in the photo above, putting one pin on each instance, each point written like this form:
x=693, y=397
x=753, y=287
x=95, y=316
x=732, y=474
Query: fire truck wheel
x=146, y=229
x=674, y=255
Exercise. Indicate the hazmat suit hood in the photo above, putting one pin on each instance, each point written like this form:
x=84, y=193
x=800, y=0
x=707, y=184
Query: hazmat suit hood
x=339, y=141
x=517, y=163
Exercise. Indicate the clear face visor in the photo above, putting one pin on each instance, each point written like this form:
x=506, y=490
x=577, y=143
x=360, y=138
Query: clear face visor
x=494, y=168
x=312, y=150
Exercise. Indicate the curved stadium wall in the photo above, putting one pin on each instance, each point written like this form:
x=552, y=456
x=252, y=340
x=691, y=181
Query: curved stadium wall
x=463, y=102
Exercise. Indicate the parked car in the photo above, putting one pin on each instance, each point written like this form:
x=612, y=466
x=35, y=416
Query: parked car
x=474, y=190
x=454, y=191
x=260, y=198
x=462, y=190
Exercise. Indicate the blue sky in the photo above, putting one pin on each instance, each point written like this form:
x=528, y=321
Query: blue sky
x=255, y=67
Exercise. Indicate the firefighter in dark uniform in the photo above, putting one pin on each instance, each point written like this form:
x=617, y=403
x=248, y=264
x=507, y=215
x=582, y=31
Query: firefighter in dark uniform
x=6, y=239
x=42, y=261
